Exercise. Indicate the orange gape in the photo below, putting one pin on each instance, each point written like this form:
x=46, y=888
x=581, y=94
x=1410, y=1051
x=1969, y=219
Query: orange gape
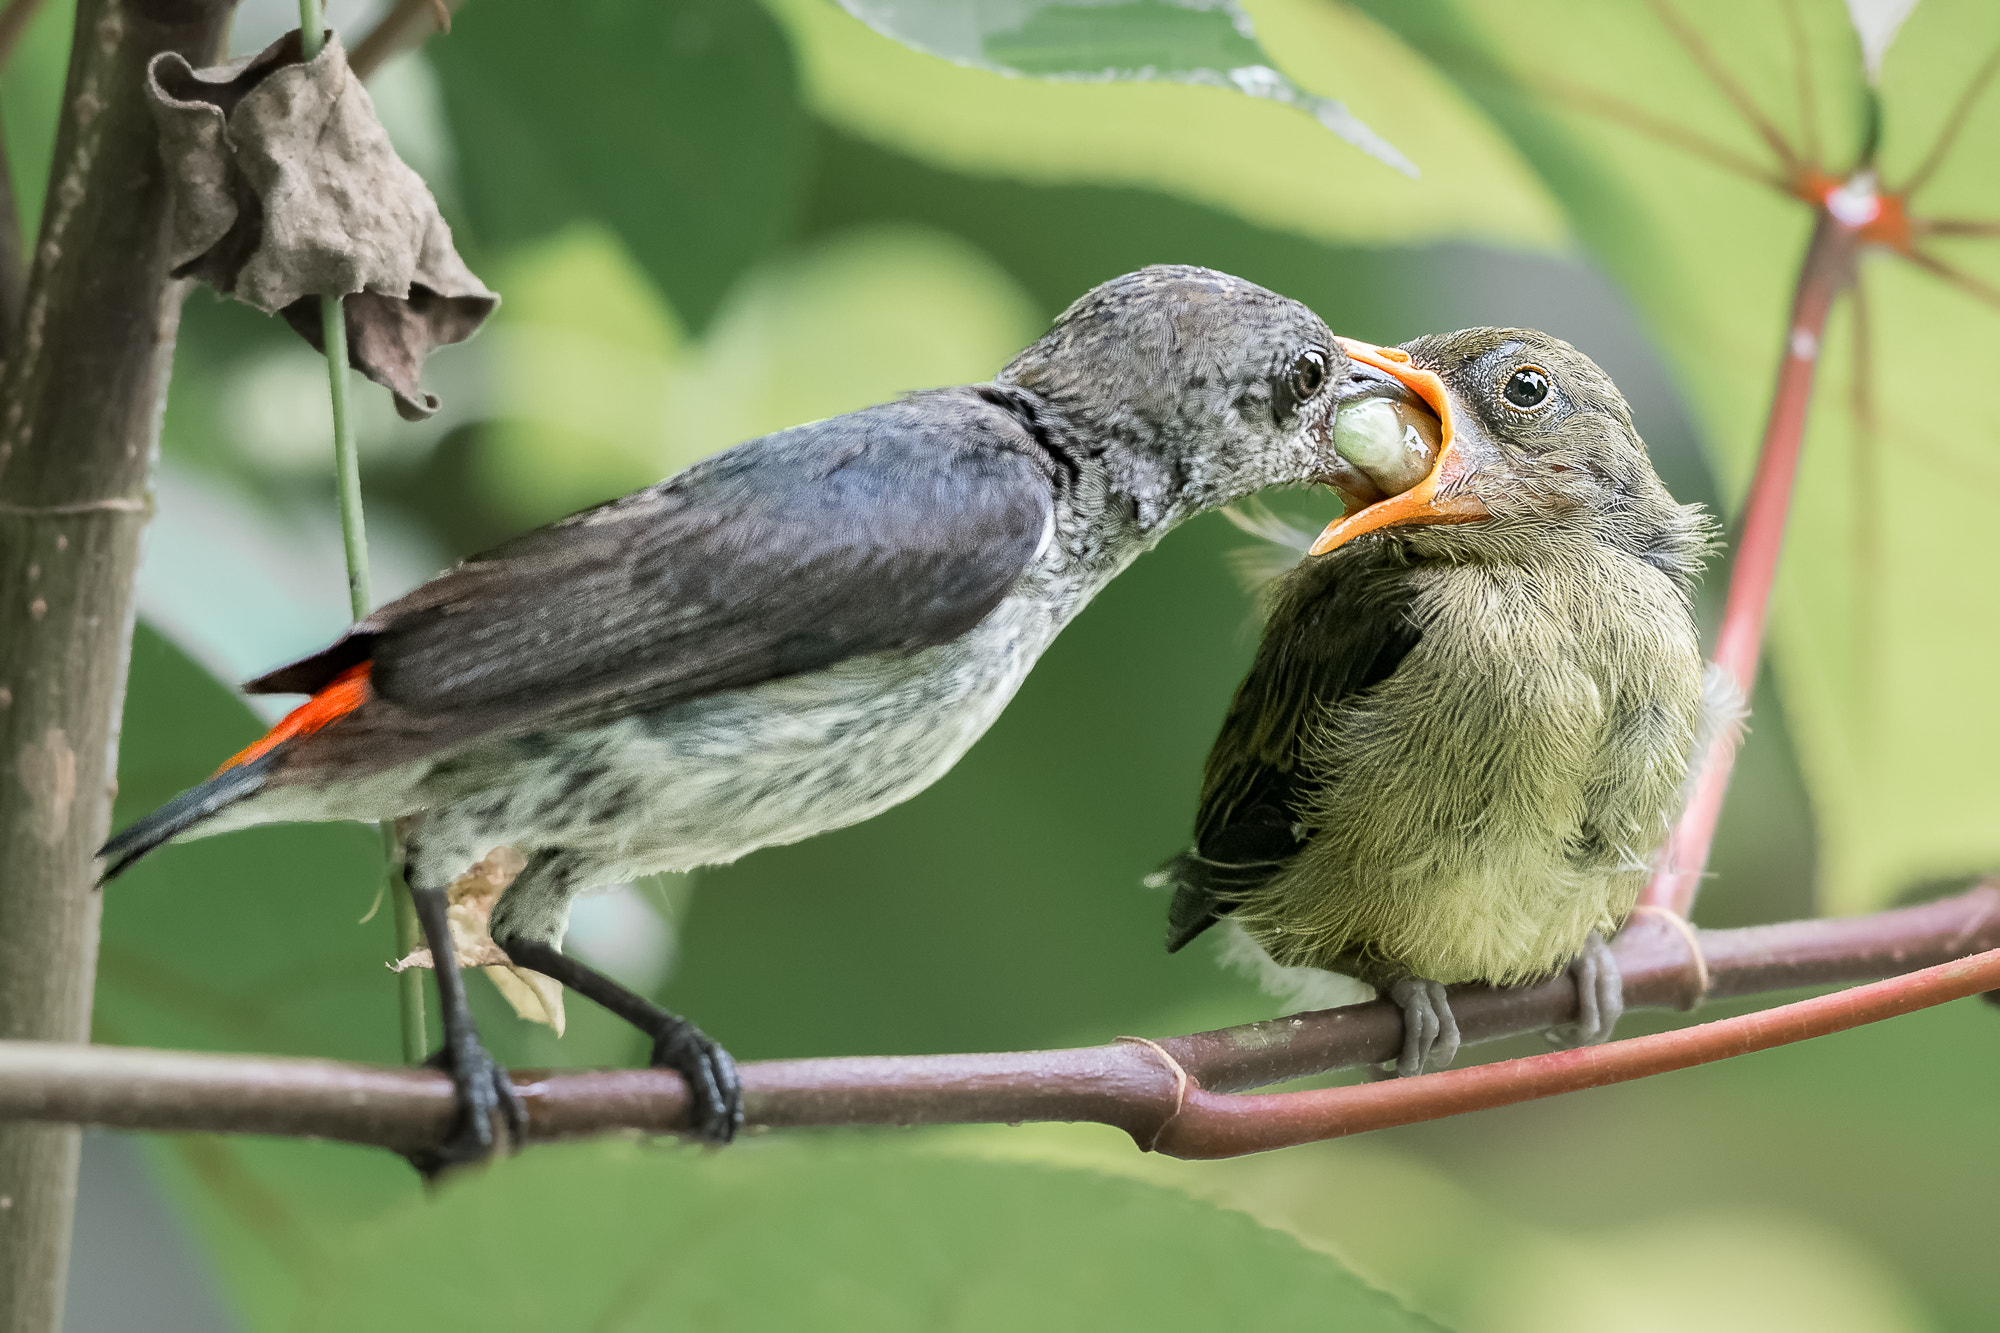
x=345, y=693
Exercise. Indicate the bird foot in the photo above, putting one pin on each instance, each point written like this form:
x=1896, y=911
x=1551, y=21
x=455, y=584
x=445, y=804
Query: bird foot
x=1430, y=1032
x=710, y=1072
x=1600, y=996
x=484, y=1093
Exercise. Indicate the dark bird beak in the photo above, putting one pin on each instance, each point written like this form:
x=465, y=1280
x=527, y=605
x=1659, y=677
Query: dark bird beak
x=1442, y=496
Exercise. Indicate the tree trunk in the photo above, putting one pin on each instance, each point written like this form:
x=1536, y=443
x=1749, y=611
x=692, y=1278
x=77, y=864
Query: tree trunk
x=80, y=397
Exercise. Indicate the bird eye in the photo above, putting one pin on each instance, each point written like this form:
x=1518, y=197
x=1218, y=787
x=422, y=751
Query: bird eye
x=1527, y=388
x=1308, y=374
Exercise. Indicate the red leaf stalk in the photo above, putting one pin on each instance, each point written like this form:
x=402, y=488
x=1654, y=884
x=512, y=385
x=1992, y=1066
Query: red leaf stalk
x=1828, y=270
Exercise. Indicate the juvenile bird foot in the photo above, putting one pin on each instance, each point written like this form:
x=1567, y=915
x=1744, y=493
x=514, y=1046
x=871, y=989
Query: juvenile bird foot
x=1600, y=996
x=1430, y=1032
x=710, y=1073
x=483, y=1090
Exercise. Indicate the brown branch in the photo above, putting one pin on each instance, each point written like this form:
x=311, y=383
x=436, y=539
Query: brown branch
x=1217, y=1126
x=404, y=26
x=1136, y=1086
x=79, y=421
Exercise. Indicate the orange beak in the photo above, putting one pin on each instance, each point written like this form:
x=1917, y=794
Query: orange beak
x=1439, y=497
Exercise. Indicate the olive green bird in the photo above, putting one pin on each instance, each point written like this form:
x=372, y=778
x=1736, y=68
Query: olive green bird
x=1470, y=721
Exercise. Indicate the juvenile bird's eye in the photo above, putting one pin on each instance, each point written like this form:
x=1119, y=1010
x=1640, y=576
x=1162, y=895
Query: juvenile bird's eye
x=1308, y=375
x=1527, y=388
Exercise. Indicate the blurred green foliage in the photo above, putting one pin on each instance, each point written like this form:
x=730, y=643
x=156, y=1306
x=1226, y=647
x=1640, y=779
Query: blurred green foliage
x=698, y=177
x=709, y=220
x=813, y=1235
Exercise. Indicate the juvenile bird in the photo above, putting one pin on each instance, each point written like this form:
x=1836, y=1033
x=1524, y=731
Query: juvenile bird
x=788, y=637
x=1468, y=724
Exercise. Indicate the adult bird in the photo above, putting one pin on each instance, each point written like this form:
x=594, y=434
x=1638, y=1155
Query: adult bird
x=787, y=637
x=1472, y=714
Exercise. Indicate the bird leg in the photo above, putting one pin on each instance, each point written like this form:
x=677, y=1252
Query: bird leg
x=1600, y=996
x=1430, y=1032
x=713, y=1087
x=483, y=1088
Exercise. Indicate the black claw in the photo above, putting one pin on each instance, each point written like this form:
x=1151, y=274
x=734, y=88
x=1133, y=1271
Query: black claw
x=483, y=1090
x=711, y=1078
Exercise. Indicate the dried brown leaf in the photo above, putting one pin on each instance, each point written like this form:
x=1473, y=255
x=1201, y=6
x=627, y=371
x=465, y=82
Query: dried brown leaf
x=286, y=189
x=471, y=898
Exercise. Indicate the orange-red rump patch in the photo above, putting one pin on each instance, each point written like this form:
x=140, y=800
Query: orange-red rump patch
x=345, y=693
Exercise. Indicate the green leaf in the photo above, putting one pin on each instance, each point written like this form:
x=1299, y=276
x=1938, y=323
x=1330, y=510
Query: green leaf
x=838, y=1234
x=1882, y=637
x=674, y=124
x=252, y=941
x=1201, y=141
x=1179, y=41
x=596, y=393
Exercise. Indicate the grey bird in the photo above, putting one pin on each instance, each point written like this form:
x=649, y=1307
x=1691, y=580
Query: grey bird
x=1472, y=714
x=787, y=637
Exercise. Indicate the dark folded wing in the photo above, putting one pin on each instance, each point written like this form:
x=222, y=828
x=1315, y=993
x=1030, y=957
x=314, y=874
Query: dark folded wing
x=1338, y=626
x=889, y=529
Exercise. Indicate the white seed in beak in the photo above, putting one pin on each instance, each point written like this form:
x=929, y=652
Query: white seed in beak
x=1394, y=443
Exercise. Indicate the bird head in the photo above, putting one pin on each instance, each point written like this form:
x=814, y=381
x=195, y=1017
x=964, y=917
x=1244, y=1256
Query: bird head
x=1193, y=387
x=1530, y=445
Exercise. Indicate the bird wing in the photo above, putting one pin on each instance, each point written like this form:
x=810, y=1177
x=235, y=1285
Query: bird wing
x=886, y=530
x=1338, y=625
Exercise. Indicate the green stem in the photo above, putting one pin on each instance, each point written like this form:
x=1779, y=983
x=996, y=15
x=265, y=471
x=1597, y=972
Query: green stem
x=354, y=540
x=410, y=981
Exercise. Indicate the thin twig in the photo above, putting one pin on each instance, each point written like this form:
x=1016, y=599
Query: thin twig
x=1142, y=1088
x=14, y=21
x=354, y=542
x=1210, y=1125
x=407, y=24
x=1954, y=123
x=1718, y=74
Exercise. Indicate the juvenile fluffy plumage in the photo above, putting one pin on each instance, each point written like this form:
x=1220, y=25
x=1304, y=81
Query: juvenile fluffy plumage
x=1460, y=745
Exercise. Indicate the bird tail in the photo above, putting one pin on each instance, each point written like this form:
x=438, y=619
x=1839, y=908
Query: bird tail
x=244, y=775
x=1195, y=906
x=182, y=813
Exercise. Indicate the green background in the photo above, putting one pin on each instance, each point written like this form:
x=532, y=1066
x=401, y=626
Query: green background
x=710, y=220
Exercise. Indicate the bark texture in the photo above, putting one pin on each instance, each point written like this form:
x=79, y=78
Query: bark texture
x=80, y=398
